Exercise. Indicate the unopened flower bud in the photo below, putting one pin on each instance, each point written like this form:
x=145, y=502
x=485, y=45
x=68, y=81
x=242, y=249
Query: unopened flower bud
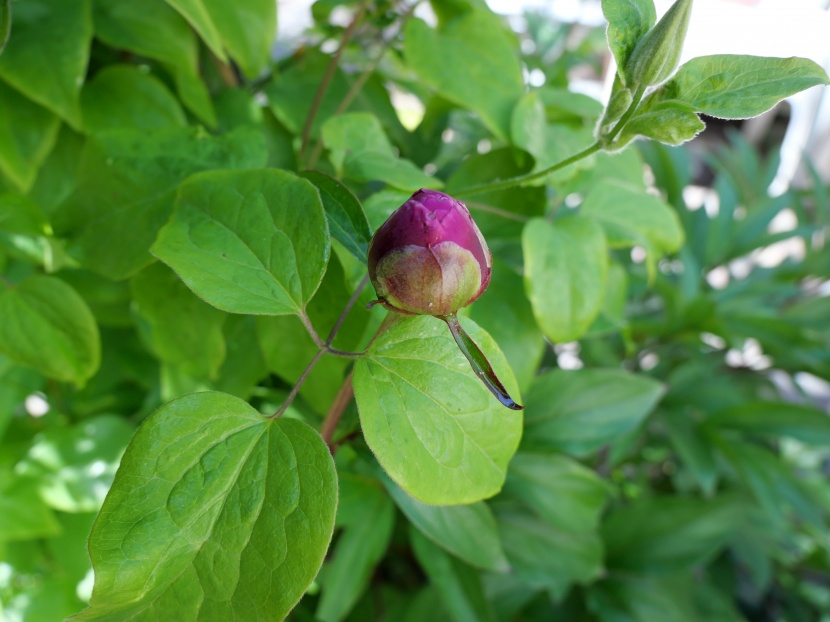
x=657, y=54
x=429, y=258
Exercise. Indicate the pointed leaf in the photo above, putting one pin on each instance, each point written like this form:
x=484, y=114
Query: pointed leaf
x=253, y=242
x=732, y=86
x=347, y=222
x=433, y=426
x=216, y=513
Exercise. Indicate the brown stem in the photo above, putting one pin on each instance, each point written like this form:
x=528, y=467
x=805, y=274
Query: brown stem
x=327, y=76
x=357, y=85
x=338, y=407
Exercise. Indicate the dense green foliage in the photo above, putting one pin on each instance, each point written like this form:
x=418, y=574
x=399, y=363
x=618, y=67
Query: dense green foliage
x=183, y=234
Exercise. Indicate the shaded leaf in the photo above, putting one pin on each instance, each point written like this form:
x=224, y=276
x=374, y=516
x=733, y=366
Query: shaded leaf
x=155, y=30
x=23, y=515
x=580, y=411
x=565, y=272
x=458, y=585
x=47, y=57
x=21, y=215
x=126, y=186
x=122, y=96
x=472, y=62
x=48, y=326
x=774, y=419
x=466, y=531
x=181, y=328
x=669, y=122
x=27, y=133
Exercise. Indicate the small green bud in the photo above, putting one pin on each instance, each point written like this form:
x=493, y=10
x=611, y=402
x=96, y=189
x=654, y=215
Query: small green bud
x=657, y=54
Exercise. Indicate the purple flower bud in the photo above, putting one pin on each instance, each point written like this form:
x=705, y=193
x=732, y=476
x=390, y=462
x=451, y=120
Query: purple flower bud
x=429, y=258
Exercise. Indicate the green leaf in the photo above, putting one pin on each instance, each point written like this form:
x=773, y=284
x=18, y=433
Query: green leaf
x=347, y=222
x=506, y=314
x=16, y=383
x=731, y=86
x=244, y=365
x=21, y=215
x=181, y=328
x=253, y=242
x=367, y=515
x=466, y=531
x=565, y=272
x=549, y=144
x=245, y=28
x=56, y=178
x=774, y=419
x=578, y=412
x=48, y=326
x=669, y=122
x=5, y=23
x=628, y=21
x=545, y=556
x=646, y=599
x=47, y=57
x=153, y=29
x=74, y=466
x=633, y=217
x=27, y=134
x=123, y=96
x=566, y=494
x=695, y=449
x=471, y=62
x=126, y=186
x=663, y=534
x=23, y=515
x=361, y=151
x=216, y=513
x=458, y=585
x=433, y=426
x=657, y=54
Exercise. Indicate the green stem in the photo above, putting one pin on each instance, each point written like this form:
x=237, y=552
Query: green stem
x=478, y=361
x=327, y=77
x=597, y=146
x=635, y=101
x=522, y=179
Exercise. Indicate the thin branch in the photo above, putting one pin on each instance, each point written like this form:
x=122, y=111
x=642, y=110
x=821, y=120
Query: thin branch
x=522, y=179
x=357, y=85
x=361, y=286
x=310, y=328
x=324, y=83
x=597, y=146
x=338, y=407
x=481, y=207
x=296, y=388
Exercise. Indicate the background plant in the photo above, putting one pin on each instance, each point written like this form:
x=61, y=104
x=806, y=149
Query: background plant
x=676, y=475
